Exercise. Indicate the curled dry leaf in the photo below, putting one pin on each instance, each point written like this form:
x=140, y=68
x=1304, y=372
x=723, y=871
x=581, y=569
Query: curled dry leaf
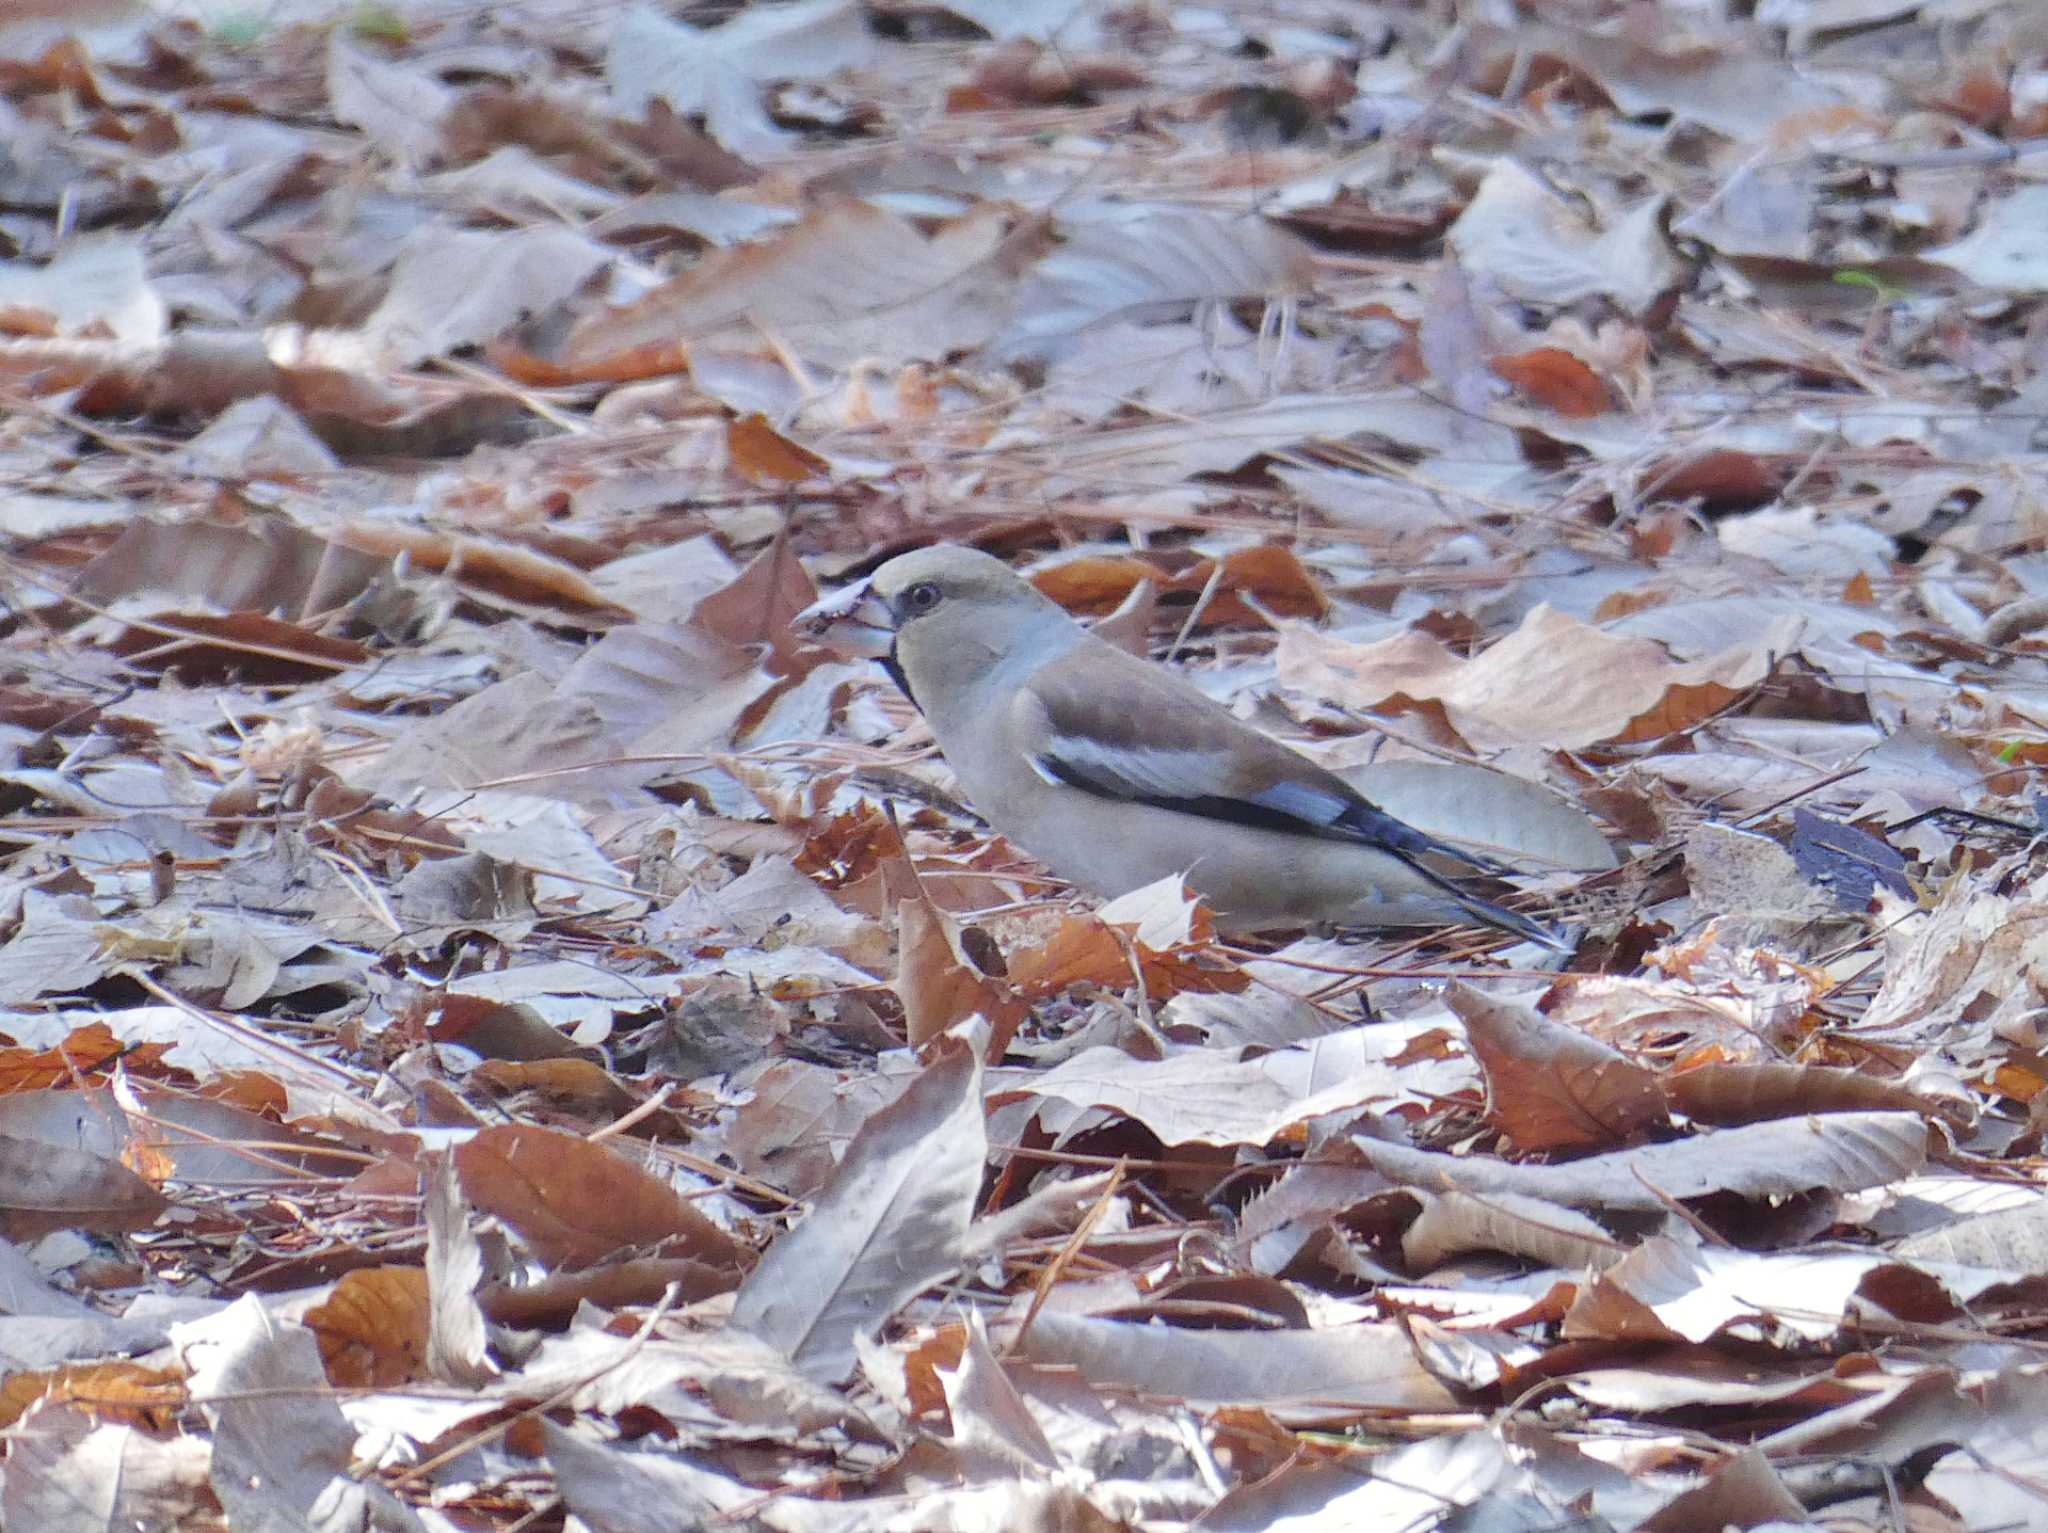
x=551, y=1302
x=497, y=1031
x=1550, y=1086
x=1999, y=252
x=1842, y=1152
x=267, y=563
x=126, y=1392
x=756, y=606
x=1751, y=1093
x=98, y=283
x=2011, y=1240
x=1356, y=1365
x=1204, y=1096
x=718, y=72
x=1110, y=267
x=1743, y=1491
x=456, y=1351
x=1159, y=933
x=271, y=1467
x=82, y=1052
x=605, y=1484
x=1453, y=1223
x=1671, y=1288
x=1538, y=246
x=147, y=1478
x=941, y=986
x=1129, y=626
x=580, y=1088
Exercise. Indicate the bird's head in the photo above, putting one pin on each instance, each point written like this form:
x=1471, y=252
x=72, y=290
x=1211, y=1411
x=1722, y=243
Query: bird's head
x=944, y=615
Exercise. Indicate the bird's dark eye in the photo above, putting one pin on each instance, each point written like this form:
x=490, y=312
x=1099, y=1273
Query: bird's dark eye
x=921, y=597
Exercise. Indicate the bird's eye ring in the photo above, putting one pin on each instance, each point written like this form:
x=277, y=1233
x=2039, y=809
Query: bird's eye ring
x=921, y=597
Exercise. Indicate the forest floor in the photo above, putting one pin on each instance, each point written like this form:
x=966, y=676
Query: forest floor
x=497, y=1032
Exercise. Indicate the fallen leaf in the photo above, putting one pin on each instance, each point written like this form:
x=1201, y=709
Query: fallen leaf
x=1549, y=1086
x=576, y=1203
x=891, y=1222
x=766, y=456
x=1554, y=681
x=1556, y=380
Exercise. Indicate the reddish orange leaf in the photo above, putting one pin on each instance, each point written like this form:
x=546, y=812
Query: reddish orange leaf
x=1555, y=379
x=761, y=453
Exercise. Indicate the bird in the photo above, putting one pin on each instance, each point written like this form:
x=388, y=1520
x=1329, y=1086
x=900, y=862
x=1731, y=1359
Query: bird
x=1116, y=772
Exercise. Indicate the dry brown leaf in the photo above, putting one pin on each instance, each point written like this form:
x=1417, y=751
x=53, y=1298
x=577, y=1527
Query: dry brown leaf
x=1454, y=1223
x=1022, y=73
x=372, y=1329
x=1355, y=1365
x=940, y=985
x=1671, y=1288
x=497, y=1030
x=849, y=282
x=259, y=563
x=1268, y=575
x=398, y=106
x=763, y=454
x=756, y=607
x=1750, y=1093
x=454, y=288
x=1539, y=247
x=84, y=1051
x=522, y=576
x=576, y=1203
x=1555, y=681
x=1617, y=428
x=96, y=284
x=263, y=651
x=578, y=1087
x=550, y=1302
x=126, y=1392
x=1842, y=1152
x=1554, y=379
x=891, y=1221
x=1745, y=1490
x=634, y=364
x=2013, y=1239
x=1194, y=1097
x=268, y=563
x=1091, y=949
x=47, y=1186
x=1550, y=1086
x=1129, y=627
x=457, y=1351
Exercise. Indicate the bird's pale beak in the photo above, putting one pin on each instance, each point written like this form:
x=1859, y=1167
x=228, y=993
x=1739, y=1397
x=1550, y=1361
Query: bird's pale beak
x=854, y=621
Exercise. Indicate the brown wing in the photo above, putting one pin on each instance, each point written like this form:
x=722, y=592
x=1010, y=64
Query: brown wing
x=1129, y=730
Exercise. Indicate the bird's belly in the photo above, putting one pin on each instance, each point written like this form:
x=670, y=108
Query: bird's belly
x=1249, y=877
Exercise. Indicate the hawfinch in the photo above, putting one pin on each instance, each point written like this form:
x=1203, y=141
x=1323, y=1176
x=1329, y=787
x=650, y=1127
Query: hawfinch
x=1115, y=772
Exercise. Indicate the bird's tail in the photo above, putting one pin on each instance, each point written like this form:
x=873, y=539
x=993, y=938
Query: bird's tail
x=1502, y=919
x=1484, y=911
x=1370, y=823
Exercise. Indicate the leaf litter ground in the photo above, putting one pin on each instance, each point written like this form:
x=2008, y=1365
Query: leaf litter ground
x=497, y=1033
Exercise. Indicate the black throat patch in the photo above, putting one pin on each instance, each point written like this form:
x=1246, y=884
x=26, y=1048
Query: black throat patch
x=895, y=669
